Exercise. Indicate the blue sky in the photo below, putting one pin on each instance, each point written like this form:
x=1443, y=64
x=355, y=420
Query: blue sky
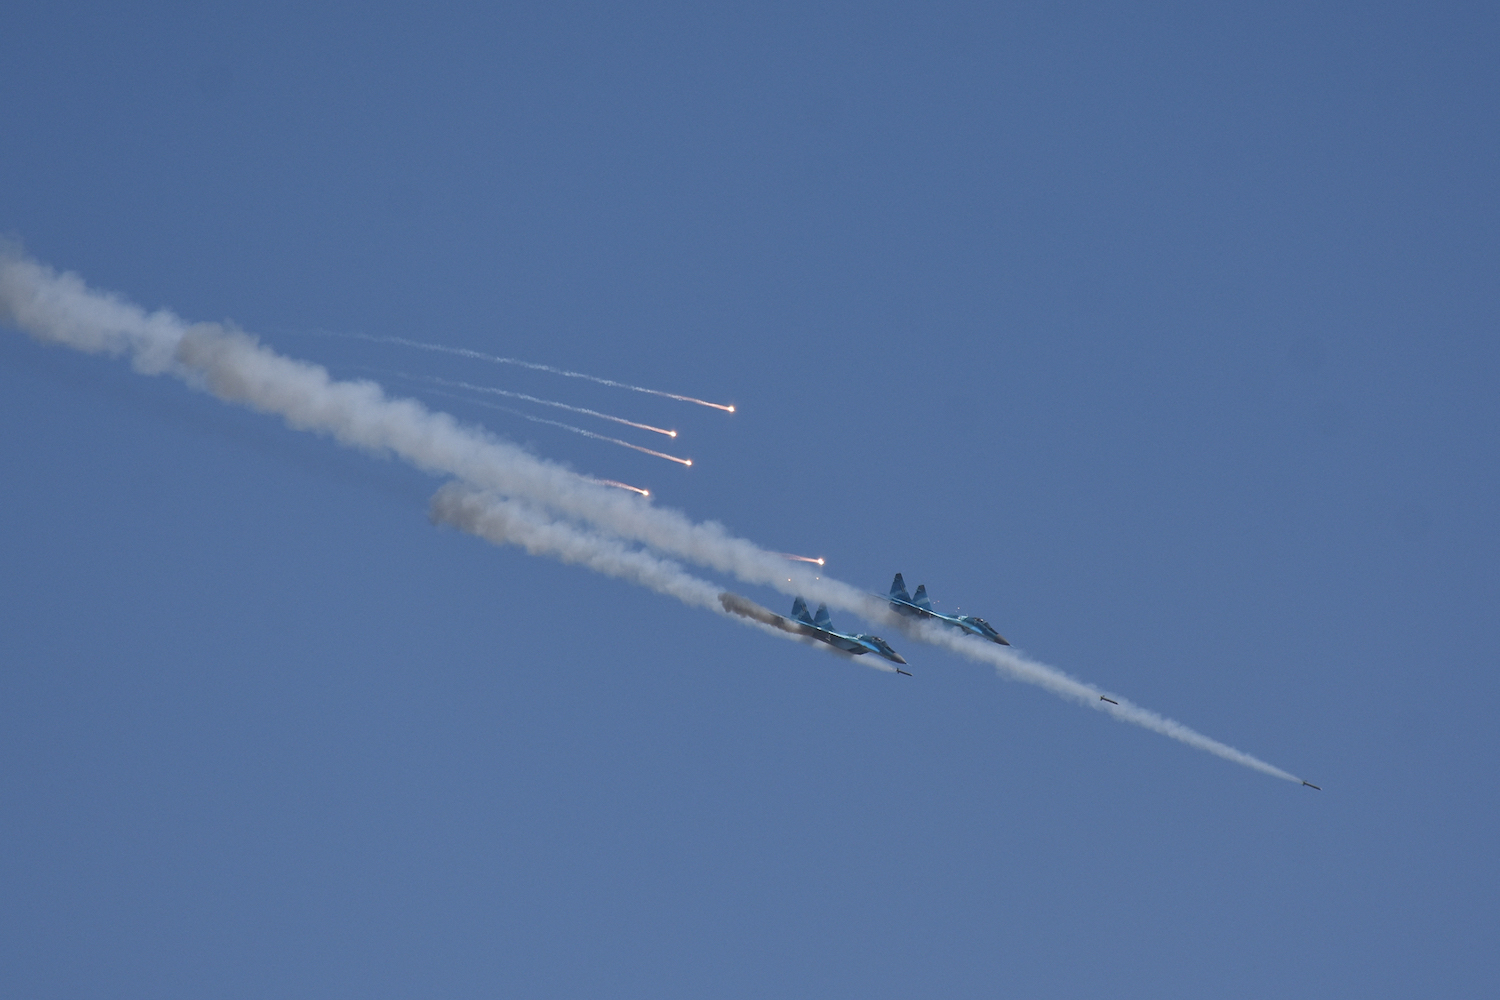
x=1163, y=338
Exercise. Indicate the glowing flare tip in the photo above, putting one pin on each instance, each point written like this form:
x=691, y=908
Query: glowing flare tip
x=815, y=560
x=704, y=402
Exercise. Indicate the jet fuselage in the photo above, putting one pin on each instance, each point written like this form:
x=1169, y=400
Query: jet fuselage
x=921, y=607
x=821, y=629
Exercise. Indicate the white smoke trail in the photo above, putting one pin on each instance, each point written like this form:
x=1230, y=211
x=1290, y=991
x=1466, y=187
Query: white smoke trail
x=1016, y=667
x=464, y=352
x=502, y=521
x=60, y=308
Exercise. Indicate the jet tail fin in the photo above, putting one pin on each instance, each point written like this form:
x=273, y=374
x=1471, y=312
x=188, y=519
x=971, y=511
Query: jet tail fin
x=898, y=589
x=799, y=611
x=821, y=619
x=921, y=599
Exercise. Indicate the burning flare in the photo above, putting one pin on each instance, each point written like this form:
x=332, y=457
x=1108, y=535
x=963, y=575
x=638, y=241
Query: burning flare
x=621, y=486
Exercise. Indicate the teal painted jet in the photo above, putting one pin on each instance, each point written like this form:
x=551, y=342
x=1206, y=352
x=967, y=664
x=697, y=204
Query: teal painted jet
x=820, y=627
x=920, y=606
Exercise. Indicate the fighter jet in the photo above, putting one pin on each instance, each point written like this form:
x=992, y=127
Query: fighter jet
x=817, y=626
x=820, y=627
x=921, y=607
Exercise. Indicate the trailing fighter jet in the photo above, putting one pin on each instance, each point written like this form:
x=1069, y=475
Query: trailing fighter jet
x=920, y=606
x=820, y=627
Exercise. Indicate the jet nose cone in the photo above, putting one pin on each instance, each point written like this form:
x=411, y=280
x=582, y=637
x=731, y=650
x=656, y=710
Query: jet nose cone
x=1002, y=640
x=898, y=658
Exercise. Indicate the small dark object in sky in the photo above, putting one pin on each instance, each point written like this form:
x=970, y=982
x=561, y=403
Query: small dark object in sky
x=1110, y=700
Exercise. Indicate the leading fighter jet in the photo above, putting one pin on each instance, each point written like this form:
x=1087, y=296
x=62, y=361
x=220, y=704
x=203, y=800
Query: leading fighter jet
x=920, y=606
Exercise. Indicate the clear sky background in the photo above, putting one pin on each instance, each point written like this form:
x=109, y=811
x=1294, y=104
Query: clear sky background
x=1164, y=338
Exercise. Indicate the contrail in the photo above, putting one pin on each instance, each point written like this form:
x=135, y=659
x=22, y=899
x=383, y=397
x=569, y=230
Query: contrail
x=465, y=352
x=1016, y=667
x=235, y=367
x=503, y=521
x=544, y=402
x=566, y=427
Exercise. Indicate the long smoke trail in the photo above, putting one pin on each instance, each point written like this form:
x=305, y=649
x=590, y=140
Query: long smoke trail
x=235, y=367
x=510, y=522
x=503, y=521
x=1016, y=667
x=464, y=352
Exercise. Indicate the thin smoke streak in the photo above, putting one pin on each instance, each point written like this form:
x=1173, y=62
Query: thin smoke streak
x=465, y=352
x=544, y=402
x=237, y=368
x=566, y=427
x=622, y=486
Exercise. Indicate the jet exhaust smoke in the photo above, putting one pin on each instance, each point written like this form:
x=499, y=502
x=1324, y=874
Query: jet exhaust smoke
x=1014, y=666
x=509, y=522
x=746, y=608
x=505, y=494
x=503, y=521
